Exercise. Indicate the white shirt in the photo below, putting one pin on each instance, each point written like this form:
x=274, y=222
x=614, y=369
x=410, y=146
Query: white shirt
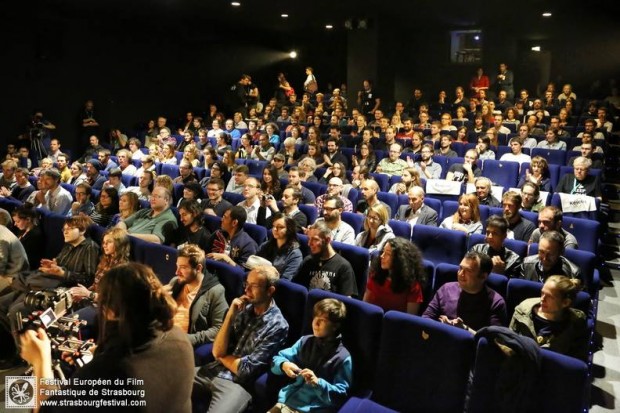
x=252, y=210
x=511, y=157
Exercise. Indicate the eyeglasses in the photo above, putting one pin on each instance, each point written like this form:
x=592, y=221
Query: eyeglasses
x=251, y=286
x=251, y=186
x=373, y=218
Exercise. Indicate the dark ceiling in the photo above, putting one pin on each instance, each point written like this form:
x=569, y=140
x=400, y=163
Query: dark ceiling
x=315, y=14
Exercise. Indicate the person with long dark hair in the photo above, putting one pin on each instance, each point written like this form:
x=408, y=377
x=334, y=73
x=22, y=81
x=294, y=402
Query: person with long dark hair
x=270, y=183
x=397, y=277
x=106, y=208
x=26, y=223
x=136, y=340
x=283, y=248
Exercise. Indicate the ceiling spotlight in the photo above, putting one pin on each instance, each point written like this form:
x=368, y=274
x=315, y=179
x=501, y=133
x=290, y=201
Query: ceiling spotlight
x=536, y=48
x=284, y=16
x=235, y=4
x=348, y=24
x=292, y=54
x=547, y=14
x=476, y=37
x=329, y=26
x=362, y=24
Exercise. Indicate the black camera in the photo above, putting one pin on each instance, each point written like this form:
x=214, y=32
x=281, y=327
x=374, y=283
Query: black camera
x=59, y=299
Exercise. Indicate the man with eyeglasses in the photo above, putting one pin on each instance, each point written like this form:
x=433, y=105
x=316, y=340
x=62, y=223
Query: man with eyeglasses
x=324, y=268
x=215, y=204
x=334, y=188
x=251, y=204
x=392, y=165
x=231, y=244
x=83, y=204
x=254, y=330
x=156, y=224
x=530, y=194
x=550, y=219
x=291, y=197
x=579, y=182
x=186, y=172
x=332, y=216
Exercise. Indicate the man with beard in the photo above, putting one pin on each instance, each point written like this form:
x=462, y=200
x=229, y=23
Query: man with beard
x=254, y=330
x=324, y=268
x=520, y=229
x=201, y=304
x=425, y=166
x=550, y=219
x=549, y=260
x=231, y=243
x=332, y=216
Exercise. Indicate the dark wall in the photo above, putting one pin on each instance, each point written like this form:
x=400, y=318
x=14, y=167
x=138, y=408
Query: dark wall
x=134, y=70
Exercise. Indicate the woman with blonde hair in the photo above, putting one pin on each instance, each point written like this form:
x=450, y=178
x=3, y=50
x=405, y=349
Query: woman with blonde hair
x=538, y=174
x=191, y=154
x=467, y=216
x=166, y=182
x=376, y=229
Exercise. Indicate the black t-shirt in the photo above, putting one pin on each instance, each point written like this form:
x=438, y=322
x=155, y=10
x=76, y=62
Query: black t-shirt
x=334, y=274
x=570, y=185
x=460, y=175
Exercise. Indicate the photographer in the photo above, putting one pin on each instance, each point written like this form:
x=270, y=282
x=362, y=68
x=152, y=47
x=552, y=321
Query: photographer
x=38, y=133
x=137, y=341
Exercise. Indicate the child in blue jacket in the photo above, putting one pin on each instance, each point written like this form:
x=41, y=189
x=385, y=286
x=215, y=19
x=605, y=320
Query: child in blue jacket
x=319, y=363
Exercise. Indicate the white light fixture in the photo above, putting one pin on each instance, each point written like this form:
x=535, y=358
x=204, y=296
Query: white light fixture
x=536, y=48
x=292, y=54
x=476, y=37
x=329, y=26
x=284, y=15
x=235, y=4
x=547, y=14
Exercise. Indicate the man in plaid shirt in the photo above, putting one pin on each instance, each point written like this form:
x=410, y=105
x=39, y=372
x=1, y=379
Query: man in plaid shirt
x=253, y=331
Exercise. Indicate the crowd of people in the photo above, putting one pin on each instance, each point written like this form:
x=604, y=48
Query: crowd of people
x=298, y=143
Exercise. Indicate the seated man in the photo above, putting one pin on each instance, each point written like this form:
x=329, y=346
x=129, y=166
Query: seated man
x=425, y=166
x=156, y=224
x=587, y=150
x=23, y=188
x=53, y=197
x=484, y=194
x=370, y=188
x=334, y=188
x=516, y=152
x=392, y=165
x=13, y=258
x=7, y=177
x=215, y=204
x=95, y=179
x=519, y=228
x=231, y=243
x=549, y=260
x=332, y=216
x=83, y=204
x=530, y=195
x=201, y=304
x=324, y=268
x=294, y=181
x=505, y=261
x=103, y=155
x=467, y=171
x=550, y=219
x=579, y=182
x=254, y=330
x=252, y=203
x=241, y=173
x=469, y=303
x=417, y=212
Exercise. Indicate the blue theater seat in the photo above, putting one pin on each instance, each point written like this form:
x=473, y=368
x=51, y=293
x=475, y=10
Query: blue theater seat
x=355, y=220
x=440, y=245
x=171, y=170
x=502, y=173
x=586, y=231
x=359, y=259
x=400, y=228
x=423, y=366
x=309, y=211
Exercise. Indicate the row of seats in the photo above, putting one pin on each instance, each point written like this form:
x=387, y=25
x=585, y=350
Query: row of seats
x=368, y=334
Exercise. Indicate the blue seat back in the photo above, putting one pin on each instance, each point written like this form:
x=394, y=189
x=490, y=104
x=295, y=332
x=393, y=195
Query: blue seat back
x=231, y=277
x=355, y=220
x=502, y=173
x=359, y=258
x=439, y=244
x=171, y=170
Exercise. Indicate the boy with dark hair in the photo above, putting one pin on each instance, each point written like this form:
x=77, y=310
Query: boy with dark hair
x=319, y=363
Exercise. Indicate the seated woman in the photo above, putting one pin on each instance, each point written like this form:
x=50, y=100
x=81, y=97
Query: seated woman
x=397, y=278
x=168, y=154
x=134, y=147
x=106, y=208
x=551, y=321
x=223, y=143
x=78, y=174
x=337, y=170
x=192, y=191
x=270, y=183
x=115, y=247
x=26, y=221
x=191, y=154
x=366, y=158
x=483, y=147
x=283, y=249
x=145, y=186
x=128, y=204
x=409, y=178
x=136, y=315
x=376, y=229
x=538, y=174
x=209, y=157
x=467, y=216
x=191, y=230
